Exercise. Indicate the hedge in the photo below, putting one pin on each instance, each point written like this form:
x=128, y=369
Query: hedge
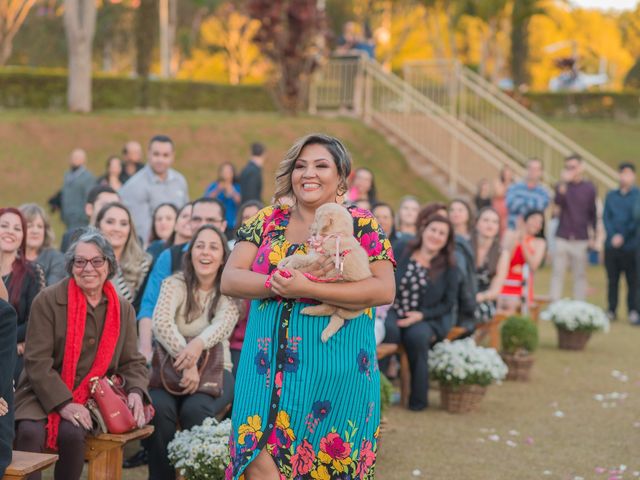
x=618, y=105
x=35, y=88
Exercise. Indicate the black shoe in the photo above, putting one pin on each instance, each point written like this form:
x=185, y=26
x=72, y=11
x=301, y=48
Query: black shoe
x=138, y=459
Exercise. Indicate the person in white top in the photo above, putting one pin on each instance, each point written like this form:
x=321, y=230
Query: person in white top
x=190, y=317
x=156, y=183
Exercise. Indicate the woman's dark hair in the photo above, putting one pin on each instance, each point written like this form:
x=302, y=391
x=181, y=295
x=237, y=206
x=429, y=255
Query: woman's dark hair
x=191, y=280
x=393, y=216
x=153, y=236
x=493, y=255
x=234, y=178
x=470, y=211
x=445, y=259
x=20, y=266
x=172, y=239
x=109, y=159
x=429, y=210
x=249, y=203
x=371, y=194
x=530, y=214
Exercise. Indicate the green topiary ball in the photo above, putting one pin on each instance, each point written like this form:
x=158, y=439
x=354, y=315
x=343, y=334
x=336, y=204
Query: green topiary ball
x=519, y=333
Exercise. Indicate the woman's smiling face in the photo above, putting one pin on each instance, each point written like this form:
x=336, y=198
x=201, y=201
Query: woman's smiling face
x=315, y=176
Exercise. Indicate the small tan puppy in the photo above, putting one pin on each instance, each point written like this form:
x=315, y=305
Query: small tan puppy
x=332, y=235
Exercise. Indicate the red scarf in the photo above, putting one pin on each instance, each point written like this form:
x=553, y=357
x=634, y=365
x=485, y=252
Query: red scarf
x=76, y=320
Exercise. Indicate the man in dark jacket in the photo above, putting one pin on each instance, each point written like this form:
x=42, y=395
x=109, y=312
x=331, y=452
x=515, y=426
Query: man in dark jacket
x=8, y=342
x=251, y=176
x=622, y=241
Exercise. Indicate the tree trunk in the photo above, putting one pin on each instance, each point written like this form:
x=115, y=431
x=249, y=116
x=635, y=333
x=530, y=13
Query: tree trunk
x=519, y=44
x=146, y=35
x=80, y=22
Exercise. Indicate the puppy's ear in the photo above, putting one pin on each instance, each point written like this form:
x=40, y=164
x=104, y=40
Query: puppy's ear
x=328, y=223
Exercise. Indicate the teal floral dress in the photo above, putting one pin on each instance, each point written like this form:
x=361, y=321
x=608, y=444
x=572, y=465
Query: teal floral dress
x=315, y=407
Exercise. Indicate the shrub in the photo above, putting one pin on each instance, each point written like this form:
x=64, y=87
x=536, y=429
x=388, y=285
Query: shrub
x=47, y=89
x=519, y=333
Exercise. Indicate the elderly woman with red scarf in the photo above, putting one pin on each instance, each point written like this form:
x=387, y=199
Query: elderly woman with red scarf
x=79, y=329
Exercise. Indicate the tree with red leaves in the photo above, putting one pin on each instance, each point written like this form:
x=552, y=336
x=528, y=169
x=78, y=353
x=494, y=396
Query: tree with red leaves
x=293, y=36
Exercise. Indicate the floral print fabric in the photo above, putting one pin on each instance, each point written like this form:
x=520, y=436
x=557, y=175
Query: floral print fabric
x=315, y=407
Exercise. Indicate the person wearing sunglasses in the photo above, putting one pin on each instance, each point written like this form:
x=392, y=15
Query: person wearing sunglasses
x=576, y=199
x=80, y=328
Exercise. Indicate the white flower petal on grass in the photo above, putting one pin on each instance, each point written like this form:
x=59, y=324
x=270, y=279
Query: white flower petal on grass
x=494, y=438
x=416, y=473
x=514, y=433
x=558, y=414
x=511, y=443
x=547, y=472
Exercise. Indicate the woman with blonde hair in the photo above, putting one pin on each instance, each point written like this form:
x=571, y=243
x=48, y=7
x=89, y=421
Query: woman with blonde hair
x=114, y=221
x=40, y=237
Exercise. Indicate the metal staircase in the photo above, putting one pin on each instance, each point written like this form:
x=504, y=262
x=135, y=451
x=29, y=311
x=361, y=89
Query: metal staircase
x=453, y=126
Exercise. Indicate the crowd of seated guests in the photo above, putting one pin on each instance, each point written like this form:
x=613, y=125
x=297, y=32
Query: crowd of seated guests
x=454, y=268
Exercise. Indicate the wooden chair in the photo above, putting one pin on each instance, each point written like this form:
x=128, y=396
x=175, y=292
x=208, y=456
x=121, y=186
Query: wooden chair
x=104, y=453
x=24, y=464
x=492, y=329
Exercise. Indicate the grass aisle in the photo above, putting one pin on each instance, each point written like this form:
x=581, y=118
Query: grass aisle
x=590, y=435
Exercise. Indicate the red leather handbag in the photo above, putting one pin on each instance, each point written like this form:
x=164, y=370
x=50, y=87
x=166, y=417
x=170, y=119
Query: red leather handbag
x=111, y=400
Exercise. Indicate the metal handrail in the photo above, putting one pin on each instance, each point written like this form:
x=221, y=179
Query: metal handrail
x=497, y=126
x=361, y=87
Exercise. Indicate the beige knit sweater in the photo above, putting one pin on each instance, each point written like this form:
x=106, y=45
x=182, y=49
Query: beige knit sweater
x=170, y=325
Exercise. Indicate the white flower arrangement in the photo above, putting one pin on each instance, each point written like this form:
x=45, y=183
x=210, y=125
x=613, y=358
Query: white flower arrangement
x=462, y=362
x=202, y=453
x=576, y=316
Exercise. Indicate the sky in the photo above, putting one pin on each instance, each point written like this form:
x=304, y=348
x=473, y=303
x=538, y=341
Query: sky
x=606, y=4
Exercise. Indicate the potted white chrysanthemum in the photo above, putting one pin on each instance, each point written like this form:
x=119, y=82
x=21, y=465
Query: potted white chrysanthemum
x=201, y=453
x=576, y=321
x=464, y=370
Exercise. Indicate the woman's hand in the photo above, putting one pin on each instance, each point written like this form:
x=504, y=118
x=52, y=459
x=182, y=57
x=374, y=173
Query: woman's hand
x=189, y=355
x=4, y=407
x=135, y=404
x=190, y=380
x=321, y=267
x=77, y=414
x=20, y=349
x=296, y=286
x=410, y=318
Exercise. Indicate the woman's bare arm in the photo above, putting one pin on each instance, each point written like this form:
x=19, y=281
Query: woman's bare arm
x=497, y=282
x=237, y=278
x=533, y=252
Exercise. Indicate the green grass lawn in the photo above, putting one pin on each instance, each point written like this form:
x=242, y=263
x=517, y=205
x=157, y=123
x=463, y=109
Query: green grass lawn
x=36, y=145
x=613, y=142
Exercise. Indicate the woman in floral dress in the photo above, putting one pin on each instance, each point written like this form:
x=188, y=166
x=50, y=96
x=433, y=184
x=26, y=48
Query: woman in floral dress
x=304, y=409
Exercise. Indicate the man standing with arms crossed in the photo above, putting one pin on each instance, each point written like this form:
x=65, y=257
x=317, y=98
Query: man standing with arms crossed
x=576, y=198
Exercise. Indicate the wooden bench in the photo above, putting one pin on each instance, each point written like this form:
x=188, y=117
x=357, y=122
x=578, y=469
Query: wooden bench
x=104, y=453
x=24, y=464
x=387, y=349
x=492, y=329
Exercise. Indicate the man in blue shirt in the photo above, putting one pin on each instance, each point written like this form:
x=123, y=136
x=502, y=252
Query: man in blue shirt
x=528, y=195
x=205, y=211
x=622, y=241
